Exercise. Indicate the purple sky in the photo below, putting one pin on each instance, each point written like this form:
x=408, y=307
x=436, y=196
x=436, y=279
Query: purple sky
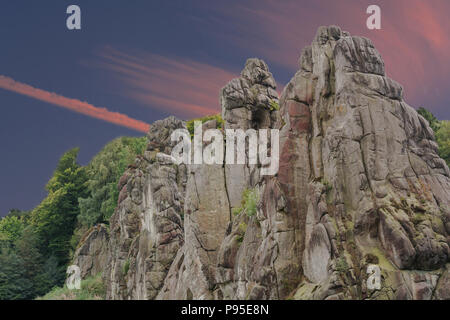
x=144, y=60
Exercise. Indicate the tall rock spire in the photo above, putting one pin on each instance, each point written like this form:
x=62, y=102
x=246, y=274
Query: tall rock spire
x=359, y=183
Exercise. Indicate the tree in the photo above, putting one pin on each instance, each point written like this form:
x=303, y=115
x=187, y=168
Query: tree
x=27, y=248
x=18, y=213
x=13, y=283
x=53, y=274
x=11, y=228
x=21, y=262
x=443, y=140
x=55, y=218
x=35, y=246
x=432, y=120
x=442, y=133
x=104, y=172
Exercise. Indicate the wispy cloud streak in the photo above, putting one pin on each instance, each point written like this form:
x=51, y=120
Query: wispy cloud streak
x=414, y=40
x=179, y=86
x=73, y=104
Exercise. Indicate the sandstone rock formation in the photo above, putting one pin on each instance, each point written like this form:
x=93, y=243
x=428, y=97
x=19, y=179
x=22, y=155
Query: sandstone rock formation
x=91, y=254
x=214, y=191
x=147, y=229
x=359, y=183
x=377, y=190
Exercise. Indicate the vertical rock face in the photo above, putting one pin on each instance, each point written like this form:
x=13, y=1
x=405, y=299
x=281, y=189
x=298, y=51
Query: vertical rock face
x=91, y=254
x=147, y=229
x=377, y=189
x=214, y=191
x=248, y=102
x=359, y=183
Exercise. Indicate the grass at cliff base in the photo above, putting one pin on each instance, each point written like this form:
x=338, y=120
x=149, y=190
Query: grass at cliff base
x=92, y=288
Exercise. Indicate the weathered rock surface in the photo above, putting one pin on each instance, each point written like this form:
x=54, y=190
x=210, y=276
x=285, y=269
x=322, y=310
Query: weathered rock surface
x=147, y=229
x=359, y=183
x=213, y=192
x=377, y=188
x=91, y=254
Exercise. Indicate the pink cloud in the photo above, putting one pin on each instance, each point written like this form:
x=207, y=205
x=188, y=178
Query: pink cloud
x=180, y=86
x=414, y=40
x=73, y=104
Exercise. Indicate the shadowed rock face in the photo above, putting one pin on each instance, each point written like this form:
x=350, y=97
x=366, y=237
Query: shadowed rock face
x=359, y=183
x=91, y=254
x=147, y=229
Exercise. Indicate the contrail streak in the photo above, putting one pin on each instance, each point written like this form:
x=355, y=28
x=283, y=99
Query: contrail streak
x=73, y=104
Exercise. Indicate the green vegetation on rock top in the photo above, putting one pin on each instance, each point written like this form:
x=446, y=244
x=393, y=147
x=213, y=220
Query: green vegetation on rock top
x=217, y=117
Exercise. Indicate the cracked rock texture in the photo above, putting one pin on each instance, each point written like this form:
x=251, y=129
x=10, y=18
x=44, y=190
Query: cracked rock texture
x=359, y=183
x=91, y=254
x=214, y=192
x=377, y=191
x=147, y=228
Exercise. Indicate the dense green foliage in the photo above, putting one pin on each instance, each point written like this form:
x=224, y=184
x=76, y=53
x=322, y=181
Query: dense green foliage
x=36, y=246
x=13, y=284
x=18, y=213
x=432, y=120
x=24, y=271
x=11, y=228
x=442, y=132
x=443, y=140
x=55, y=218
x=104, y=172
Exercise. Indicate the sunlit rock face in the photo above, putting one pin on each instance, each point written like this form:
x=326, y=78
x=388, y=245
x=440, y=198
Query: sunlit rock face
x=359, y=183
x=377, y=191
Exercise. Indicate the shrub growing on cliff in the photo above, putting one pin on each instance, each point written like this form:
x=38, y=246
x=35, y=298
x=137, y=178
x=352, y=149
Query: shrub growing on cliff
x=251, y=198
x=217, y=117
x=274, y=105
x=341, y=265
x=126, y=267
x=249, y=202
